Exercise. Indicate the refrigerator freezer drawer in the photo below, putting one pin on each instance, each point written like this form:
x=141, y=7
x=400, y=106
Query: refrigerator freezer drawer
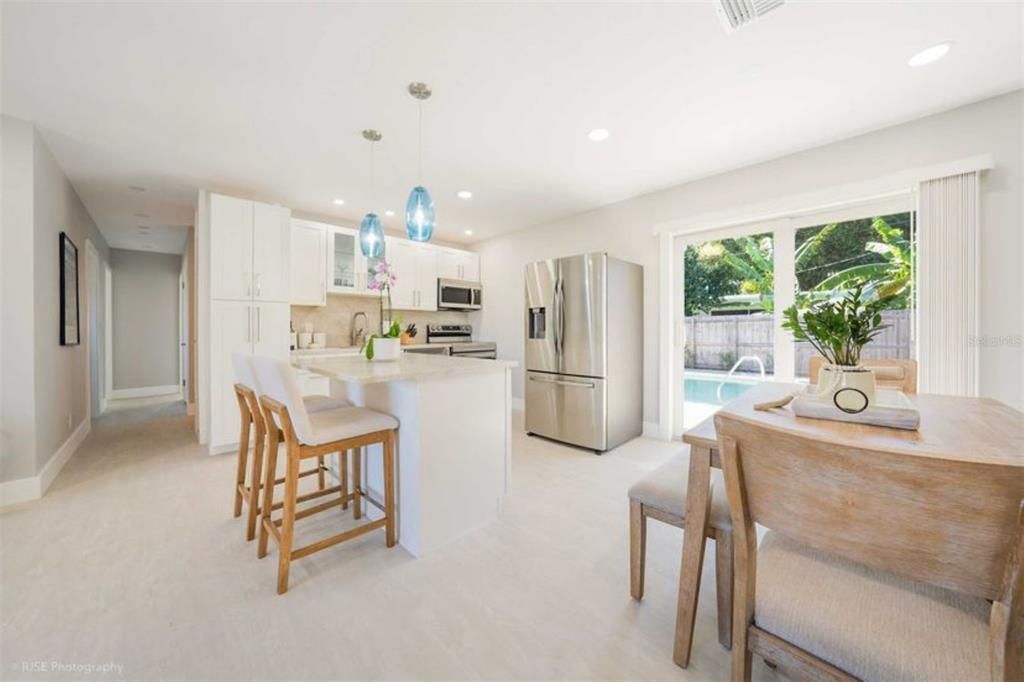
x=570, y=409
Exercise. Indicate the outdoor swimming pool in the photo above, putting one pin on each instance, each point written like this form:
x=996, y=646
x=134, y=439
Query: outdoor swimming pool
x=705, y=390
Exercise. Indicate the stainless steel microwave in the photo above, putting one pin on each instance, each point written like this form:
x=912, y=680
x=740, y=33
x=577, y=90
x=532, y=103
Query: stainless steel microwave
x=457, y=294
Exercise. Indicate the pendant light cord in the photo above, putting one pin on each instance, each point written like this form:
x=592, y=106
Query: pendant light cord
x=373, y=177
x=419, y=169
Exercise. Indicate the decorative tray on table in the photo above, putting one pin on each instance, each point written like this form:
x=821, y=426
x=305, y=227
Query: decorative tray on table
x=890, y=408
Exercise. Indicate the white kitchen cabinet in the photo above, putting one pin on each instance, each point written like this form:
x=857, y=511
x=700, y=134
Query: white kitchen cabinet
x=231, y=247
x=248, y=328
x=270, y=329
x=426, y=277
x=245, y=282
x=344, y=261
x=415, y=266
x=271, y=229
x=456, y=264
x=249, y=246
x=308, y=263
x=402, y=256
x=470, y=266
x=230, y=332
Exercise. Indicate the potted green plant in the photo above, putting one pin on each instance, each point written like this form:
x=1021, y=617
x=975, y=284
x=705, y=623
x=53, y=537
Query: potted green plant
x=839, y=328
x=386, y=345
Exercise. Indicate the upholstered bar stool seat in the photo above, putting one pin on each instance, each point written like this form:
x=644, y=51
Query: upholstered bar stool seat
x=320, y=403
x=347, y=422
x=661, y=495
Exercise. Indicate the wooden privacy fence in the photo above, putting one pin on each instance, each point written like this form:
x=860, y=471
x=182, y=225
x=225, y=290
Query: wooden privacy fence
x=718, y=341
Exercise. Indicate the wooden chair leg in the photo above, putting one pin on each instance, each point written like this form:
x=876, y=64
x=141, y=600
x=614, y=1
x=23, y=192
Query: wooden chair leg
x=255, y=487
x=637, y=548
x=321, y=479
x=243, y=453
x=269, y=477
x=357, y=482
x=343, y=470
x=291, y=492
x=389, y=488
x=723, y=586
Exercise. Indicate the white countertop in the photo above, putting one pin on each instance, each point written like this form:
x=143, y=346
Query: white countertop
x=409, y=367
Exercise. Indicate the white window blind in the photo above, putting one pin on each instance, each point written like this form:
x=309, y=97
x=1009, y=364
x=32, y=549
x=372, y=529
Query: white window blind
x=947, y=285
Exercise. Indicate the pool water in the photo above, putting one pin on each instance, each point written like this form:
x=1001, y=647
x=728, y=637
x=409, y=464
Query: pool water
x=701, y=390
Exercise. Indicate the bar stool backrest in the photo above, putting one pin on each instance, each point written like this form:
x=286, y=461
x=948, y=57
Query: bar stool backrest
x=244, y=373
x=278, y=381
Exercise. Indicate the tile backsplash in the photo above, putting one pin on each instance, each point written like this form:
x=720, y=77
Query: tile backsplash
x=336, y=318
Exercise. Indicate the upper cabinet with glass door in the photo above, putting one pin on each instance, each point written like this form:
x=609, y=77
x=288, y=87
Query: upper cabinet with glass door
x=345, y=262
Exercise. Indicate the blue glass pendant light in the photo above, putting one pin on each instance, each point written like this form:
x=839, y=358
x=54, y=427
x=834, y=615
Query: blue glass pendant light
x=419, y=209
x=371, y=234
x=419, y=214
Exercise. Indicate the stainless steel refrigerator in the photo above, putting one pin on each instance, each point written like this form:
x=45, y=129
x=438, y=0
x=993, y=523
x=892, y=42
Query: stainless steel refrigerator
x=584, y=350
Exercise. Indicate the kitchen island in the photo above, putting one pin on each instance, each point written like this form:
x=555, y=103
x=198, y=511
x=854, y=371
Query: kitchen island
x=454, y=438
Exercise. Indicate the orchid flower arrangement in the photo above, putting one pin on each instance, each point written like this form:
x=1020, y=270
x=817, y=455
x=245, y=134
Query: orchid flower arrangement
x=383, y=279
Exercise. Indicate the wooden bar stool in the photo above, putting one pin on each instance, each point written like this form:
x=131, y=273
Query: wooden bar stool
x=247, y=491
x=308, y=435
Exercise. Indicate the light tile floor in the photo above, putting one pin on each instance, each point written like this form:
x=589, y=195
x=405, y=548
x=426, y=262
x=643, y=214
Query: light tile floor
x=133, y=559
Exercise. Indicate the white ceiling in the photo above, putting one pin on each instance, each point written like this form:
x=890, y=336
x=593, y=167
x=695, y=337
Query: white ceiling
x=268, y=100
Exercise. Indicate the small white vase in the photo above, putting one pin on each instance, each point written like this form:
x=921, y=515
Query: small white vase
x=386, y=350
x=850, y=388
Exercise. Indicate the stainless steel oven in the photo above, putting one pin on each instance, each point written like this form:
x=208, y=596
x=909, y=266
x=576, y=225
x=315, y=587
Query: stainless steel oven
x=457, y=294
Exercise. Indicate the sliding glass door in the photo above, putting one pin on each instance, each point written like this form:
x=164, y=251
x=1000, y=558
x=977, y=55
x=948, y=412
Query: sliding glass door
x=729, y=330
x=732, y=284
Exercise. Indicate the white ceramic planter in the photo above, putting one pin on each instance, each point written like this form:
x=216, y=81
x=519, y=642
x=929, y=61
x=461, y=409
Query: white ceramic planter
x=386, y=350
x=851, y=389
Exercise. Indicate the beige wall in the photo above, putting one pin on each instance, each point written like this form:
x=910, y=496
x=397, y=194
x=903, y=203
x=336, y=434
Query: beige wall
x=17, y=352
x=145, y=318
x=45, y=385
x=625, y=229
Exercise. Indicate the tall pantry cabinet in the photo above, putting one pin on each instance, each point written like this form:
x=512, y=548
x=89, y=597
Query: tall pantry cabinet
x=244, y=260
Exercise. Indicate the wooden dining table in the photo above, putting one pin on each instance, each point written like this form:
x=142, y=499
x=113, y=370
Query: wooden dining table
x=970, y=430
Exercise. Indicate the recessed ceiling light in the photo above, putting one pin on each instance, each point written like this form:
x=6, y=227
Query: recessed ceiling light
x=137, y=188
x=141, y=215
x=389, y=213
x=465, y=194
x=929, y=55
x=339, y=202
x=469, y=233
x=598, y=135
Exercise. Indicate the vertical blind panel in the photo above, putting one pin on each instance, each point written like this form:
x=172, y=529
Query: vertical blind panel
x=948, y=285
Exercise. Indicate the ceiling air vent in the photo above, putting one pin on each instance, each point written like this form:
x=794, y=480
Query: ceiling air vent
x=737, y=13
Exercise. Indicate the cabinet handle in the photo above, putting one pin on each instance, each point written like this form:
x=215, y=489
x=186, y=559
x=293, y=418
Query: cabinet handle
x=248, y=324
x=258, y=287
x=259, y=325
x=248, y=283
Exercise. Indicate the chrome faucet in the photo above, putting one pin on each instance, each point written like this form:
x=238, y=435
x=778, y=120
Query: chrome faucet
x=357, y=336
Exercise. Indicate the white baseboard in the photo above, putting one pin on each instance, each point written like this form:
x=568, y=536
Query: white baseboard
x=144, y=391
x=34, y=487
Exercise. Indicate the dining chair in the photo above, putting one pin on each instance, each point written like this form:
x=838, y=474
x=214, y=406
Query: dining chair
x=661, y=495
x=877, y=565
x=307, y=435
x=249, y=474
x=894, y=374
